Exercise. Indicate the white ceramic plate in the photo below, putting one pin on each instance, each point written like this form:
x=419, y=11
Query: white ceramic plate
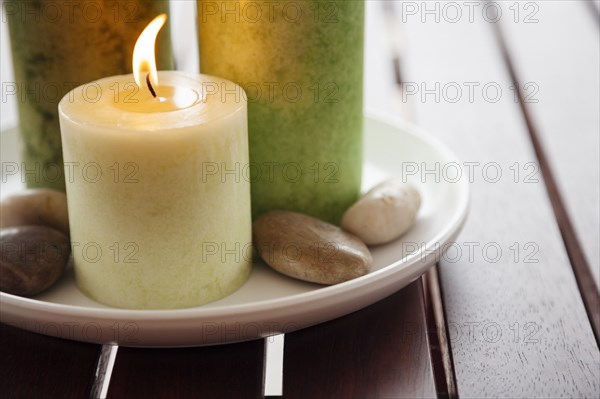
x=269, y=303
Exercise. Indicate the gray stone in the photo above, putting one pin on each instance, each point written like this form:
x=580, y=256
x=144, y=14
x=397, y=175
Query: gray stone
x=32, y=258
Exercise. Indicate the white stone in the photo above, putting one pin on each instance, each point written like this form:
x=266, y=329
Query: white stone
x=386, y=212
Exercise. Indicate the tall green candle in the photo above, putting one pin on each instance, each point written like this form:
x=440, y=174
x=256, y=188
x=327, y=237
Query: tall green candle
x=301, y=64
x=59, y=45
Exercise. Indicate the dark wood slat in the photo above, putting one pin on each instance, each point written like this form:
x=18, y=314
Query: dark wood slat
x=439, y=345
x=37, y=366
x=380, y=351
x=516, y=322
x=569, y=162
x=225, y=371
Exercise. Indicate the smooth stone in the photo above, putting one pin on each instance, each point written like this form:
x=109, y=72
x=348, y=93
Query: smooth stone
x=32, y=258
x=309, y=249
x=38, y=206
x=384, y=213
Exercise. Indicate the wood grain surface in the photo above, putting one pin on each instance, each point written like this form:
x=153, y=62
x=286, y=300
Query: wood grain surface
x=516, y=322
x=36, y=366
x=224, y=371
x=378, y=352
x=565, y=124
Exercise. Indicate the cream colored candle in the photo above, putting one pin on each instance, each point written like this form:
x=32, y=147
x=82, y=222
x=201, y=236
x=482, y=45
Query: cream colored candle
x=154, y=223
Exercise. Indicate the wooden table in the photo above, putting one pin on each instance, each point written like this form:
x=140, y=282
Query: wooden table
x=513, y=312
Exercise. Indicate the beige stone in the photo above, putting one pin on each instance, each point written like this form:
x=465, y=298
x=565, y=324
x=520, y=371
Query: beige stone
x=39, y=206
x=309, y=249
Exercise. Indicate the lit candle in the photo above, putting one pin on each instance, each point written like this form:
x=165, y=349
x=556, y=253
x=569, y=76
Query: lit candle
x=152, y=224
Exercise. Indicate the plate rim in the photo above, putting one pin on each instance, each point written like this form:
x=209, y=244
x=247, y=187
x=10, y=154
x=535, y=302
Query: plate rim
x=414, y=261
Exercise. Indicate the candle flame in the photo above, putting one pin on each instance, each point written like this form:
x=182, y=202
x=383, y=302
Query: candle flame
x=144, y=59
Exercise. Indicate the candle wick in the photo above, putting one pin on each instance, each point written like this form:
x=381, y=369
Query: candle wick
x=150, y=86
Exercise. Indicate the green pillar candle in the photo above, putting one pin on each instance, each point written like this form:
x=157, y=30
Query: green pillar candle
x=301, y=64
x=59, y=45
